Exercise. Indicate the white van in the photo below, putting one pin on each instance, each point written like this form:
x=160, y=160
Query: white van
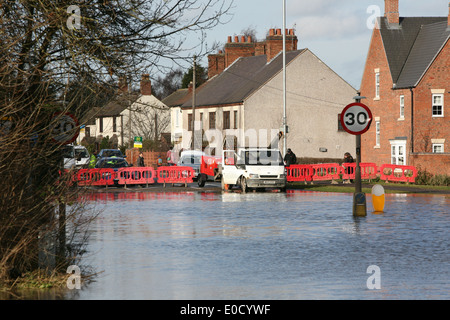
x=82, y=157
x=256, y=168
x=69, y=157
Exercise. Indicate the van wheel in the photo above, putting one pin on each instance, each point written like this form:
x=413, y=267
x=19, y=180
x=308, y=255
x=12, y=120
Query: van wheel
x=244, y=185
x=201, y=180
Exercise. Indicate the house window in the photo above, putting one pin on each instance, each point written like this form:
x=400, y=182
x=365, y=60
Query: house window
x=87, y=131
x=190, y=122
x=226, y=120
x=402, y=107
x=438, y=105
x=438, y=148
x=340, y=128
x=398, y=150
x=101, y=125
x=212, y=120
x=235, y=119
x=114, y=124
x=201, y=120
x=377, y=85
x=377, y=133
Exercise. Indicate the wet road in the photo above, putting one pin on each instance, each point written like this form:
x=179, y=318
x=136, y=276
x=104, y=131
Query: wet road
x=299, y=245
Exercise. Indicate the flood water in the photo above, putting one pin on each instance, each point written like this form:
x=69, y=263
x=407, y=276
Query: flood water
x=297, y=245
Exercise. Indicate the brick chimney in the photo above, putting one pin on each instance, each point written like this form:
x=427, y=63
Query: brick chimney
x=146, y=85
x=123, y=85
x=245, y=47
x=274, y=42
x=391, y=11
x=238, y=49
x=448, y=18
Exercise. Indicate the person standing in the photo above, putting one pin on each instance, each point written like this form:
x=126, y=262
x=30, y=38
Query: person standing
x=348, y=170
x=93, y=160
x=159, y=161
x=170, y=158
x=140, y=161
x=290, y=158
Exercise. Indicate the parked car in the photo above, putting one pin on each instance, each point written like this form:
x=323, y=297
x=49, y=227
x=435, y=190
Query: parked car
x=105, y=153
x=82, y=157
x=193, y=159
x=114, y=163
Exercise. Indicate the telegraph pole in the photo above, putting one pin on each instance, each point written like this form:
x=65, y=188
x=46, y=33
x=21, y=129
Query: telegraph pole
x=193, y=105
x=284, y=80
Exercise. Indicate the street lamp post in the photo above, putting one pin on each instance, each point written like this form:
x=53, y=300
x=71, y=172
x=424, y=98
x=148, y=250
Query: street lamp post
x=284, y=79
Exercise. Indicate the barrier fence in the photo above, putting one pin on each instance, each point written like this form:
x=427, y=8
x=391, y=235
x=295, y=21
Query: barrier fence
x=185, y=175
x=347, y=171
x=175, y=174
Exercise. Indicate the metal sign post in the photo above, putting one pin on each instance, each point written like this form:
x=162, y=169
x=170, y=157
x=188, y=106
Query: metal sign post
x=356, y=119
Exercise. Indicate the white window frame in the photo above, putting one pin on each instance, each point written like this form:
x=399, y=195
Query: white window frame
x=377, y=84
x=436, y=146
x=398, y=152
x=434, y=104
x=377, y=133
x=402, y=107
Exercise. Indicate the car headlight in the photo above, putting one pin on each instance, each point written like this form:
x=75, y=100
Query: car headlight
x=253, y=176
x=282, y=176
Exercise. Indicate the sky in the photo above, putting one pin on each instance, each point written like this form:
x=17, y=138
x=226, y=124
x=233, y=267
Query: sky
x=337, y=31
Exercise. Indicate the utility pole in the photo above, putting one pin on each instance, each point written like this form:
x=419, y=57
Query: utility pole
x=284, y=80
x=193, y=105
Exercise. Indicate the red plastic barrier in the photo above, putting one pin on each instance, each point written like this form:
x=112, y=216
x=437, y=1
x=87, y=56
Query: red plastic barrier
x=326, y=171
x=95, y=177
x=138, y=175
x=175, y=174
x=368, y=171
x=398, y=173
x=298, y=172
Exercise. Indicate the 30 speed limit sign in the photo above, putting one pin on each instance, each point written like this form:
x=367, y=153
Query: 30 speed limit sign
x=356, y=118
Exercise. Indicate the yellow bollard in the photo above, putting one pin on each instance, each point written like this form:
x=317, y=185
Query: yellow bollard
x=378, y=198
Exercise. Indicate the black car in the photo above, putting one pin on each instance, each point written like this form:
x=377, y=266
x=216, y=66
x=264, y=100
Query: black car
x=113, y=163
x=105, y=153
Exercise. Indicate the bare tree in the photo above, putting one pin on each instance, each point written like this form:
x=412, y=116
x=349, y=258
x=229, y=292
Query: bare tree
x=56, y=58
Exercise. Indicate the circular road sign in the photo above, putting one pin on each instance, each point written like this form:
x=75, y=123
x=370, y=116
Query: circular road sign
x=65, y=128
x=356, y=118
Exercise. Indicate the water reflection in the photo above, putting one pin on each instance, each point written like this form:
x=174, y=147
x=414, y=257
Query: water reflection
x=295, y=245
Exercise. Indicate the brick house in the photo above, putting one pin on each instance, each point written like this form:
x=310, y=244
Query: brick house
x=406, y=83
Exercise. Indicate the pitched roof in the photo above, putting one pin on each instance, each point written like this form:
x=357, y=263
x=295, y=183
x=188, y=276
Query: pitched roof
x=429, y=42
x=177, y=98
x=240, y=80
x=399, y=42
x=117, y=104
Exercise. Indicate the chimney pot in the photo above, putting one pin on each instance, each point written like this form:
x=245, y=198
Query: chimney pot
x=236, y=39
x=249, y=39
x=271, y=32
x=229, y=39
x=279, y=32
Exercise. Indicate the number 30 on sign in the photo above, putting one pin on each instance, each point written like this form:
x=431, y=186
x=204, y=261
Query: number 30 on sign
x=356, y=118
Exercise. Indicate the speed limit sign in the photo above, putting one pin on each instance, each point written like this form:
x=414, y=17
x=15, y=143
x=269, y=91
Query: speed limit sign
x=65, y=128
x=356, y=118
